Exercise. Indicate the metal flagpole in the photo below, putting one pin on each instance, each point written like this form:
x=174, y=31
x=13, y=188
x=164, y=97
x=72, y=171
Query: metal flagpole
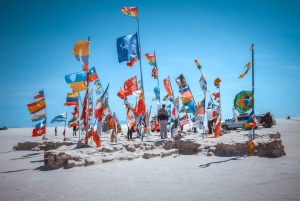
x=252, y=48
x=140, y=52
x=46, y=114
x=157, y=68
x=65, y=126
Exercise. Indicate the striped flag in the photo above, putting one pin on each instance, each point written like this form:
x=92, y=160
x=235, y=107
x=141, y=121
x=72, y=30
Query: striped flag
x=184, y=120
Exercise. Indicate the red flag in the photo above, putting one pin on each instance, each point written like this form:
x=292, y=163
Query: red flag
x=217, y=129
x=84, y=111
x=168, y=87
x=216, y=95
x=130, y=64
x=85, y=67
x=121, y=94
x=37, y=132
x=140, y=108
x=130, y=86
x=96, y=139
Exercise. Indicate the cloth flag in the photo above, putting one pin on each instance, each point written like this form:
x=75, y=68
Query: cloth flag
x=151, y=59
x=36, y=106
x=98, y=87
x=192, y=106
x=99, y=108
x=202, y=81
x=201, y=107
x=130, y=11
x=140, y=108
x=216, y=95
x=60, y=118
x=168, y=87
x=198, y=64
x=81, y=51
x=243, y=101
x=128, y=48
x=77, y=81
x=41, y=124
x=217, y=82
x=121, y=94
x=92, y=75
x=138, y=93
x=39, y=116
x=248, y=65
x=169, y=109
x=130, y=86
x=99, y=128
x=184, y=120
x=131, y=63
x=96, y=139
x=72, y=99
x=154, y=72
x=38, y=132
x=156, y=93
x=39, y=94
x=181, y=81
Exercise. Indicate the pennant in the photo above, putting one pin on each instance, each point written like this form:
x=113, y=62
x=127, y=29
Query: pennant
x=36, y=106
x=156, y=93
x=181, y=81
x=127, y=48
x=243, y=101
x=202, y=81
x=81, y=51
x=60, y=118
x=130, y=11
x=39, y=116
x=38, y=132
x=151, y=59
x=217, y=129
x=121, y=93
x=168, y=87
x=98, y=87
x=92, y=75
x=198, y=64
x=217, y=82
x=39, y=94
x=130, y=64
x=130, y=86
x=216, y=95
x=154, y=72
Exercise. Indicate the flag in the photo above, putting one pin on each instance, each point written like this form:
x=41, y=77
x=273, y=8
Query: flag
x=247, y=66
x=60, y=118
x=77, y=81
x=72, y=99
x=216, y=95
x=99, y=128
x=130, y=86
x=151, y=59
x=192, y=106
x=121, y=93
x=41, y=124
x=168, y=87
x=85, y=67
x=138, y=93
x=140, y=108
x=185, y=92
x=243, y=101
x=130, y=11
x=201, y=107
x=181, y=81
x=99, y=108
x=39, y=116
x=130, y=63
x=186, y=100
x=92, y=75
x=128, y=48
x=149, y=112
x=156, y=93
x=39, y=94
x=217, y=82
x=184, y=120
x=217, y=129
x=98, y=87
x=169, y=109
x=96, y=139
x=73, y=122
x=198, y=64
x=38, y=132
x=36, y=106
x=182, y=110
x=202, y=81
x=81, y=51
x=154, y=72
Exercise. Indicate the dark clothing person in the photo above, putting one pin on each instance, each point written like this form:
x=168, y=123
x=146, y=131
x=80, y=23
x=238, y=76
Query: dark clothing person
x=129, y=133
x=74, y=130
x=55, y=131
x=162, y=117
x=268, y=120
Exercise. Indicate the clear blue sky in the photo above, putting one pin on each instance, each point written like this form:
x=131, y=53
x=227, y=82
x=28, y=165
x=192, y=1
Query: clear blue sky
x=37, y=38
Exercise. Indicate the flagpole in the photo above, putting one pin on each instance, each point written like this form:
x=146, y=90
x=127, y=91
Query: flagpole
x=46, y=113
x=252, y=48
x=138, y=32
x=65, y=126
x=157, y=68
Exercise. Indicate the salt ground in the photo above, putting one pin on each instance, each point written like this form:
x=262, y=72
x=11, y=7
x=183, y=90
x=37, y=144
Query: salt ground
x=193, y=177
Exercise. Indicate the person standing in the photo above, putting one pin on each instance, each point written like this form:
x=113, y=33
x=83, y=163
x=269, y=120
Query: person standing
x=55, y=131
x=162, y=117
x=74, y=130
x=130, y=123
x=210, y=119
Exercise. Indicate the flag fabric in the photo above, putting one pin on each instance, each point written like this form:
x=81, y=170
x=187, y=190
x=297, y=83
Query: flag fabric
x=216, y=95
x=243, y=101
x=72, y=99
x=73, y=122
x=121, y=94
x=127, y=48
x=60, y=118
x=183, y=109
x=247, y=66
x=138, y=93
x=140, y=108
x=39, y=94
x=81, y=51
x=181, y=81
x=41, y=124
x=96, y=139
x=168, y=87
x=185, y=92
x=192, y=106
x=130, y=86
x=39, y=116
x=98, y=87
x=85, y=67
x=168, y=107
x=154, y=72
x=217, y=82
x=151, y=59
x=131, y=63
x=202, y=81
x=251, y=120
x=92, y=75
x=38, y=132
x=156, y=93
x=99, y=108
x=201, y=107
x=184, y=120
x=217, y=129
x=198, y=64
x=76, y=81
x=130, y=11
x=36, y=106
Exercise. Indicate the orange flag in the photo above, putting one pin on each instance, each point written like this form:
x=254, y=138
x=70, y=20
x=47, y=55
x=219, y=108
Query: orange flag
x=36, y=106
x=217, y=129
x=130, y=64
x=130, y=86
x=168, y=87
x=121, y=94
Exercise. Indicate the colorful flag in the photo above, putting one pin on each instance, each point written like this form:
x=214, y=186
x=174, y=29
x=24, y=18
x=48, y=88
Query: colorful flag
x=217, y=82
x=243, y=101
x=130, y=11
x=96, y=138
x=168, y=87
x=185, y=100
x=38, y=132
x=39, y=116
x=39, y=94
x=73, y=122
x=99, y=108
x=192, y=106
x=121, y=94
x=216, y=95
x=41, y=124
x=201, y=107
x=202, y=81
x=128, y=48
x=138, y=93
x=198, y=64
x=130, y=63
x=92, y=75
x=60, y=118
x=184, y=120
x=72, y=99
x=156, y=93
x=98, y=87
x=168, y=107
x=140, y=108
x=247, y=66
x=185, y=92
x=154, y=72
x=77, y=81
x=36, y=106
x=151, y=59
x=85, y=67
x=181, y=81
x=130, y=86
x=81, y=51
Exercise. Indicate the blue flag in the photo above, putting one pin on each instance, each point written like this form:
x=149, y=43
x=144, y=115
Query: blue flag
x=128, y=48
x=156, y=93
x=41, y=124
x=192, y=106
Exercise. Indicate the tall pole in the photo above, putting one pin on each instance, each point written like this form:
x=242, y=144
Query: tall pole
x=65, y=126
x=140, y=52
x=157, y=68
x=252, y=48
x=45, y=113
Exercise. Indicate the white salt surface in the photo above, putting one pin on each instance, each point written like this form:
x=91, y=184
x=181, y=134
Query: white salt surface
x=182, y=177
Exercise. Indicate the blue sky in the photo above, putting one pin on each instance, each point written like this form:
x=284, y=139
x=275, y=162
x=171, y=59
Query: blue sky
x=37, y=38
